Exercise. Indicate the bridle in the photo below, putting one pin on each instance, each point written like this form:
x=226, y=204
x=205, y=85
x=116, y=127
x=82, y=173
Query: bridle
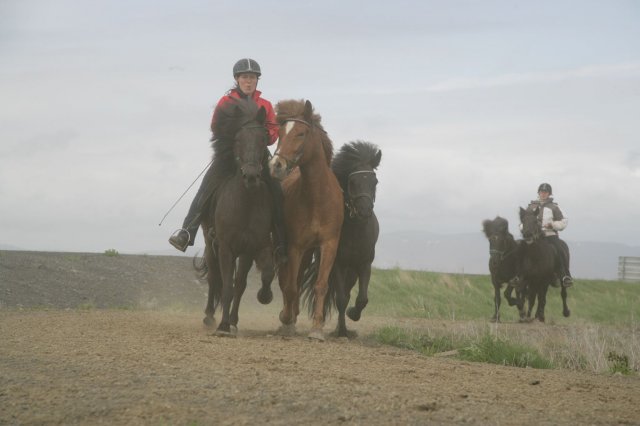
x=504, y=254
x=351, y=198
x=292, y=163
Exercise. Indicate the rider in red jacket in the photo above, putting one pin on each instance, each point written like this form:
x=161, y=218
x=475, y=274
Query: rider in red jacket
x=237, y=93
x=246, y=72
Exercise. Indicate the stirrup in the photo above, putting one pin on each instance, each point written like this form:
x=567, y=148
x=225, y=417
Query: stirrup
x=174, y=237
x=567, y=281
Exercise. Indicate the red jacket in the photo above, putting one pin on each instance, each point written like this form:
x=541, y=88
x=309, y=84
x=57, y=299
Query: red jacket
x=270, y=123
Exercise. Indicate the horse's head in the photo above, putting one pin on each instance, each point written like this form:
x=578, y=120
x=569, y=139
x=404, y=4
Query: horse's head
x=500, y=240
x=355, y=166
x=530, y=228
x=361, y=193
x=249, y=148
x=294, y=132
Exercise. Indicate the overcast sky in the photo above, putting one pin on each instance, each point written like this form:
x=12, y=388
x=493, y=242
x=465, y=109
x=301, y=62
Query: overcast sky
x=105, y=108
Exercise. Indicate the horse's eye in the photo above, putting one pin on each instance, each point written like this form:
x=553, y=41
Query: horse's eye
x=299, y=135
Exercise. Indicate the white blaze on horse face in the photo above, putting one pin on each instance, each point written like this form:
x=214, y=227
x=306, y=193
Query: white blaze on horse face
x=288, y=127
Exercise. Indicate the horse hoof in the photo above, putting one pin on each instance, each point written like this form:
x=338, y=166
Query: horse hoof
x=566, y=313
x=353, y=314
x=265, y=295
x=222, y=333
x=287, y=330
x=316, y=335
x=209, y=322
x=494, y=319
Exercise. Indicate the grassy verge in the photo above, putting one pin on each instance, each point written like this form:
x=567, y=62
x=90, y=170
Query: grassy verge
x=602, y=334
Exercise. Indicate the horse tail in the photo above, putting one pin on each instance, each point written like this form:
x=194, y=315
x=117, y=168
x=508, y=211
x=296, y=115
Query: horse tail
x=200, y=265
x=308, y=292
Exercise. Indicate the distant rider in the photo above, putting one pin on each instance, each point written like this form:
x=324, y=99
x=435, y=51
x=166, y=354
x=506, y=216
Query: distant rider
x=552, y=221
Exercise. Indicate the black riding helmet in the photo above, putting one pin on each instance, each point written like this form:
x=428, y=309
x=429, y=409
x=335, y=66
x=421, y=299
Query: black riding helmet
x=545, y=187
x=246, y=65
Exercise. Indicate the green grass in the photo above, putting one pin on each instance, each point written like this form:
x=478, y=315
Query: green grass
x=482, y=348
x=600, y=336
x=418, y=294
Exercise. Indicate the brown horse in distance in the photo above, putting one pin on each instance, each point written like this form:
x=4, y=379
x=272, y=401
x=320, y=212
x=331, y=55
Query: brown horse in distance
x=313, y=206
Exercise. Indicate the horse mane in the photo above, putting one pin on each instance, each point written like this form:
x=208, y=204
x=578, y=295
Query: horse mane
x=498, y=225
x=228, y=118
x=294, y=109
x=353, y=156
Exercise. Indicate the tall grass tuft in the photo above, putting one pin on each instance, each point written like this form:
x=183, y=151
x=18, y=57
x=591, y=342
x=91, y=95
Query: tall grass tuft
x=498, y=351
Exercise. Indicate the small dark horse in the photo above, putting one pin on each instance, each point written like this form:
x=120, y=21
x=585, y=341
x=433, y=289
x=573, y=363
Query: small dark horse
x=538, y=264
x=242, y=213
x=503, y=260
x=354, y=166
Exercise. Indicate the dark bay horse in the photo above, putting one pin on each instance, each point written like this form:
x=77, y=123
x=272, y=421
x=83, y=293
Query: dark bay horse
x=538, y=264
x=237, y=222
x=312, y=206
x=503, y=261
x=354, y=166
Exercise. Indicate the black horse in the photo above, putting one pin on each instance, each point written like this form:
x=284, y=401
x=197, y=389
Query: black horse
x=354, y=166
x=538, y=264
x=503, y=262
x=237, y=221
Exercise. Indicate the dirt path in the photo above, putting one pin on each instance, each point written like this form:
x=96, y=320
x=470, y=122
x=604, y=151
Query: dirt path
x=150, y=367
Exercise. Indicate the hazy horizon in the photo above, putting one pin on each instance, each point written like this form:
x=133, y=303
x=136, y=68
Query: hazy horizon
x=106, y=106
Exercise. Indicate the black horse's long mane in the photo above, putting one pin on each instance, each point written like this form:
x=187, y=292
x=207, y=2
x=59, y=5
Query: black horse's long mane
x=228, y=120
x=354, y=156
x=498, y=225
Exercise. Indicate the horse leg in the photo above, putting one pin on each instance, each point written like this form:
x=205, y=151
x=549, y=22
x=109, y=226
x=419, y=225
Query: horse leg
x=565, y=308
x=337, y=280
x=362, y=299
x=327, y=257
x=307, y=257
x=287, y=280
x=265, y=265
x=531, y=299
x=496, y=303
x=542, y=301
x=227, y=266
x=508, y=294
x=214, y=281
x=521, y=296
x=244, y=265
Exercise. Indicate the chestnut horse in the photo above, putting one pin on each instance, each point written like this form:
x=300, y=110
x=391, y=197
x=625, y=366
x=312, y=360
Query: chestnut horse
x=313, y=210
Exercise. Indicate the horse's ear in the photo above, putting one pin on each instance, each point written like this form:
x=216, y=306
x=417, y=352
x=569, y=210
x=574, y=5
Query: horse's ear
x=377, y=158
x=262, y=115
x=308, y=111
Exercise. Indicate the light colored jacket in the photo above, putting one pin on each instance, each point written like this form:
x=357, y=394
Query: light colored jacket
x=549, y=213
